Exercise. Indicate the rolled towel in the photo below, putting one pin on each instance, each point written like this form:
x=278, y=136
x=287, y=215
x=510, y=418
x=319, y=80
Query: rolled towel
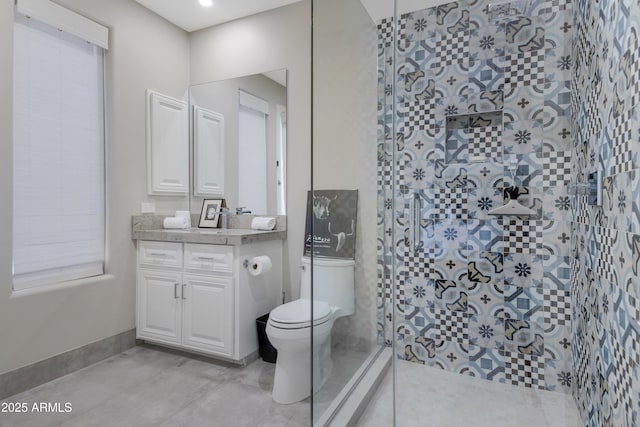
x=186, y=215
x=173, y=222
x=263, y=223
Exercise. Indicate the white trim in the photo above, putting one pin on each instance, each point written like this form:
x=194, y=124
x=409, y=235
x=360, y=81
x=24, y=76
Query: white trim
x=57, y=275
x=62, y=285
x=66, y=20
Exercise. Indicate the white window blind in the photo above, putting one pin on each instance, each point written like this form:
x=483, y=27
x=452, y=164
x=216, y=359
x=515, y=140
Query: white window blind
x=58, y=161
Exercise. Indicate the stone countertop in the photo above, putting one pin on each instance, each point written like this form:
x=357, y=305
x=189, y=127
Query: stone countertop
x=149, y=227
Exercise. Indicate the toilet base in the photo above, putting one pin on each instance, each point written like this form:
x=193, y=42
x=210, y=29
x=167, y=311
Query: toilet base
x=292, y=380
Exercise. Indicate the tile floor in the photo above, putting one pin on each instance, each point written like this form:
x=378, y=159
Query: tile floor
x=431, y=397
x=150, y=386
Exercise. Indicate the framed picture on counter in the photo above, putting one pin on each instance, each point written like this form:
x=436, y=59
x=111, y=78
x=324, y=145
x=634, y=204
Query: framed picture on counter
x=210, y=213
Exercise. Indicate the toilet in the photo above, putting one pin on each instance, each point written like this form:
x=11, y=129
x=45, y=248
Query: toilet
x=289, y=327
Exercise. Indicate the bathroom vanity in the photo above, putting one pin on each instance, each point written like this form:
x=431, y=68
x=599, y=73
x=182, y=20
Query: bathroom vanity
x=195, y=293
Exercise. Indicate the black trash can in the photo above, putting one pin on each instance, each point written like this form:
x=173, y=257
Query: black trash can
x=265, y=349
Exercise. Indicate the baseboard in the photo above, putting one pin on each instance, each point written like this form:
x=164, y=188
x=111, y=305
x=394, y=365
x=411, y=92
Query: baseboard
x=33, y=375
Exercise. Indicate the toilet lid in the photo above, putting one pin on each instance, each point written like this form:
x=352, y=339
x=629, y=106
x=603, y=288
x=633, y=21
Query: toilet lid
x=297, y=314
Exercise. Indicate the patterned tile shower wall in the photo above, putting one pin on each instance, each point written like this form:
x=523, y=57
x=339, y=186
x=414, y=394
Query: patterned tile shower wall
x=482, y=103
x=605, y=290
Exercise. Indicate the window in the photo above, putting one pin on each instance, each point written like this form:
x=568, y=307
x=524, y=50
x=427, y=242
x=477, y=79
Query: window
x=252, y=146
x=58, y=160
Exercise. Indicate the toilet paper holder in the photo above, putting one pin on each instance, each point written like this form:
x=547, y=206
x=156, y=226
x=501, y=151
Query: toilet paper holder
x=245, y=263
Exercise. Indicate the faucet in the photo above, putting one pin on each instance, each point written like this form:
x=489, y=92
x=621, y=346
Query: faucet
x=241, y=211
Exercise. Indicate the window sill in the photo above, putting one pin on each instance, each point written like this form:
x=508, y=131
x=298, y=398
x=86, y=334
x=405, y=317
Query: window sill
x=61, y=286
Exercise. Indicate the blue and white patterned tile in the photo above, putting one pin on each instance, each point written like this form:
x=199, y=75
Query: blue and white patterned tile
x=523, y=103
x=419, y=174
x=529, y=172
x=557, y=98
x=557, y=272
x=557, y=204
x=419, y=143
x=479, y=102
x=451, y=81
x=450, y=296
x=486, y=235
x=420, y=321
x=451, y=235
x=418, y=349
x=525, y=303
x=420, y=292
x=523, y=269
x=486, y=74
x=482, y=200
x=523, y=136
x=524, y=34
x=451, y=106
x=524, y=369
x=557, y=134
x=485, y=267
x=486, y=299
x=457, y=146
x=558, y=375
x=485, y=175
x=486, y=331
x=451, y=356
x=486, y=363
x=557, y=341
x=523, y=336
x=421, y=25
x=487, y=42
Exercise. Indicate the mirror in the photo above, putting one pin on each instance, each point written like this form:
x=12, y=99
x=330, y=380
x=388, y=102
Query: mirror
x=239, y=142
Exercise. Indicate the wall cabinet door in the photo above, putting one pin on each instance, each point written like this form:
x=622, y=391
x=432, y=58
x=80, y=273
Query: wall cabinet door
x=159, y=305
x=208, y=313
x=167, y=145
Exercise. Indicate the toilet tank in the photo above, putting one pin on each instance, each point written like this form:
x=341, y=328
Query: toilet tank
x=333, y=282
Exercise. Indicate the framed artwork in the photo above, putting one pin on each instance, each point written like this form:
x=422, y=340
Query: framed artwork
x=210, y=213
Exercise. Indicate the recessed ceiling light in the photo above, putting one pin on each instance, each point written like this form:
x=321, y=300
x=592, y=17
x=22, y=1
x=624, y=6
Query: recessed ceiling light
x=206, y=3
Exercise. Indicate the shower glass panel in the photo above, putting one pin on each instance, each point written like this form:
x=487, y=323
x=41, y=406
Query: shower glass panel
x=344, y=202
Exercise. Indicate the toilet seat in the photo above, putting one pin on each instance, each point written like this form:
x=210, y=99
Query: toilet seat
x=297, y=314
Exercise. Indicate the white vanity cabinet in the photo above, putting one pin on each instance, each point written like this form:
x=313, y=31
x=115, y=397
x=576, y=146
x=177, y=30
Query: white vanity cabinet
x=200, y=297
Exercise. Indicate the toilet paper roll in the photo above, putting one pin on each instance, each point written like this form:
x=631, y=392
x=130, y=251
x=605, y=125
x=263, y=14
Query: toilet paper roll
x=259, y=265
x=172, y=222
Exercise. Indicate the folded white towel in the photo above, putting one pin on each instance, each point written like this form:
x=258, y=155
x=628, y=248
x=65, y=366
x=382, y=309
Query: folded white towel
x=263, y=223
x=173, y=222
x=186, y=215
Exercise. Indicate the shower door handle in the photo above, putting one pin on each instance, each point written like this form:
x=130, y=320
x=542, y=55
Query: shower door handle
x=414, y=218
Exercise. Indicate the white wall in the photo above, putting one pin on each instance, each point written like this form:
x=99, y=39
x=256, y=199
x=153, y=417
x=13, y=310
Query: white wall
x=344, y=140
x=146, y=52
x=276, y=39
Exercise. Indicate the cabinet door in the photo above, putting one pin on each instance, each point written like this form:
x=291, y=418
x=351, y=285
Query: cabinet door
x=167, y=145
x=159, y=306
x=208, y=310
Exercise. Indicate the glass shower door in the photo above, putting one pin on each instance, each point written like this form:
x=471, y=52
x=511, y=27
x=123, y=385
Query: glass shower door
x=344, y=199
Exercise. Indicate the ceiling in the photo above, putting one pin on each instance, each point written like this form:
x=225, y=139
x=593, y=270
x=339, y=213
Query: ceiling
x=190, y=16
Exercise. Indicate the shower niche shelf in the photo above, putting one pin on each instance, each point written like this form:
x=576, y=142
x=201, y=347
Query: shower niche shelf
x=474, y=137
